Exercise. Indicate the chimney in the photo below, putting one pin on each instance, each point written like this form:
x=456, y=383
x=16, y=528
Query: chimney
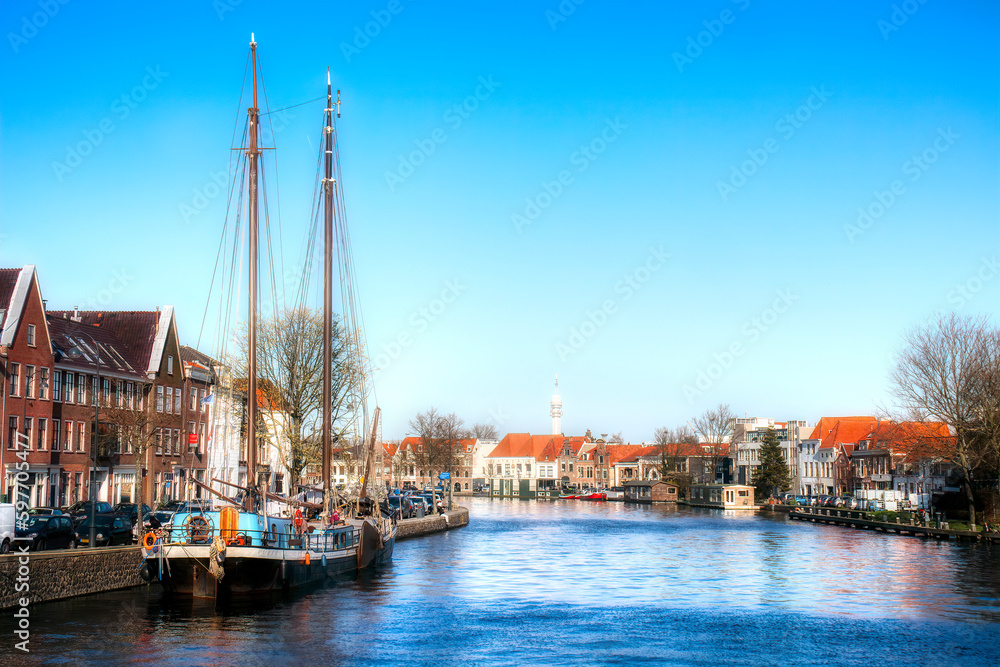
x=76, y=315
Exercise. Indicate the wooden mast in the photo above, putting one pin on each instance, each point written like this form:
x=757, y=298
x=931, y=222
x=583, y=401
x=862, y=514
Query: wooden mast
x=253, y=153
x=327, y=295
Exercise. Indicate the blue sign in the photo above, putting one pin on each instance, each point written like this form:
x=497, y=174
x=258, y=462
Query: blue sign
x=444, y=475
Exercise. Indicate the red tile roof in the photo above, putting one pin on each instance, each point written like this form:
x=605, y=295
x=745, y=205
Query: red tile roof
x=912, y=439
x=827, y=424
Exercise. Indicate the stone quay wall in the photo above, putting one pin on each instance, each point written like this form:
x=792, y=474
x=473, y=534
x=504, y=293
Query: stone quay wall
x=437, y=523
x=64, y=573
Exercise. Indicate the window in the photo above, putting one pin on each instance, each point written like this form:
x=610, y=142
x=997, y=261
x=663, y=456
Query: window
x=27, y=433
x=14, y=368
x=106, y=391
x=191, y=430
x=41, y=434
x=68, y=387
x=177, y=401
x=128, y=395
x=57, y=386
x=93, y=389
x=159, y=399
x=170, y=364
x=169, y=403
x=43, y=385
x=29, y=381
x=68, y=436
x=194, y=398
x=31, y=335
x=177, y=441
x=56, y=435
x=80, y=430
x=201, y=397
x=81, y=388
x=11, y=431
x=159, y=442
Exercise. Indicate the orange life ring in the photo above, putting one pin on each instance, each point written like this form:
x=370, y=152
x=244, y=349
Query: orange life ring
x=148, y=540
x=298, y=517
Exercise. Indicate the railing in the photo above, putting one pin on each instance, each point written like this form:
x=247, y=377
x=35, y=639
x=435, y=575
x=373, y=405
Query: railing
x=205, y=533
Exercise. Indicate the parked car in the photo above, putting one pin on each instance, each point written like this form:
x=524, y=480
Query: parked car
x=128, y=509
x=44, y=511
x=403, y=505
x=420, y=504
x=80, y=510
x=42, y=532
x=111, y=529
x=7, y=519
x=434, y=501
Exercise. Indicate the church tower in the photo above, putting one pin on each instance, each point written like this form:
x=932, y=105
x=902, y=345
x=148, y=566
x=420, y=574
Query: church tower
x=555, y=410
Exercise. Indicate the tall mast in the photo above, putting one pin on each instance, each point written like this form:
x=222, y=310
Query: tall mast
x=252, y=153
x=327, y=294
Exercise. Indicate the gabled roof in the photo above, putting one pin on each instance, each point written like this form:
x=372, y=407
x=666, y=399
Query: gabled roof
x=537, y=446
x=914, y=439
x=390, y=448
x=513, y=444
x=827, y=424
x=848, y=431
x=138, y=330
x=74, y=343
x=15, y=286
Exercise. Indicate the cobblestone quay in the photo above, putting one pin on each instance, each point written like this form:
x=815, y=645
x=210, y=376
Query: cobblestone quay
x=53, y=575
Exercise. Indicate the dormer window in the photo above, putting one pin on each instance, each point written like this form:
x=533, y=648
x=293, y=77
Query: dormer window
x=170, y=364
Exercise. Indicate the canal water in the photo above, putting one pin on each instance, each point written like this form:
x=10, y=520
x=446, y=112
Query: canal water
x=576, y=583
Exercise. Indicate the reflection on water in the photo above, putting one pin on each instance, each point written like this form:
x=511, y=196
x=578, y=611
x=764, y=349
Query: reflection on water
x=569, y=582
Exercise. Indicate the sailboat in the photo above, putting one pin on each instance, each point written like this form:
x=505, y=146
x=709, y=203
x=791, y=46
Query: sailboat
x=241, y=550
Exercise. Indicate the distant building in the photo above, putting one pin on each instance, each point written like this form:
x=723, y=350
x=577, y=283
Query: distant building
x=650, y=491
x=555, y=410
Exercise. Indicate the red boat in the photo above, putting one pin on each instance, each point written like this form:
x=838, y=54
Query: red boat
x=598, y=495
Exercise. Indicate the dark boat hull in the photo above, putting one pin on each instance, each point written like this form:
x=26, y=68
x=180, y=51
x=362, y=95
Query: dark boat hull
x=250, y=571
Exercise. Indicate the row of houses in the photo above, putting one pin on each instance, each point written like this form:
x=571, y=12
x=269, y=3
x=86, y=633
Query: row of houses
x=837, y=456
x=77, y=387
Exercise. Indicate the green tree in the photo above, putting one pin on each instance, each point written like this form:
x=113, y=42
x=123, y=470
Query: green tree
x=772, y=476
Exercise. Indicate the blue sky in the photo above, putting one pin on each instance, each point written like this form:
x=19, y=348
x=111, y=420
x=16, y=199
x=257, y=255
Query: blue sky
x=657, y=201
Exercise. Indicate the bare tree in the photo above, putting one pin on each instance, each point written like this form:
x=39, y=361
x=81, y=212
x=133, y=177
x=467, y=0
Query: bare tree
x=136, y=430
x=940, y=373
x=714, y=427
x=290, y=366
x=671, y=444
x=483, y=431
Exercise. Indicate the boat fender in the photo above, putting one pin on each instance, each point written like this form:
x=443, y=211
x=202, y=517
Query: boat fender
x=323, y=560
x=220, y=550
x=307, y=558
x=144, y=572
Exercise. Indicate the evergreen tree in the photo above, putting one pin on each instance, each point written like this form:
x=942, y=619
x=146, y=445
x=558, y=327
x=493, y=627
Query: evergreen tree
x=772, y=476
